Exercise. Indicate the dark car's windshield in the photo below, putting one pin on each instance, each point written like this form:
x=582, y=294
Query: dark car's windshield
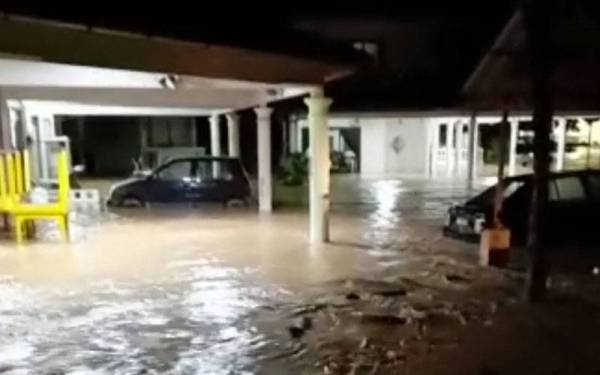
x=486, y=198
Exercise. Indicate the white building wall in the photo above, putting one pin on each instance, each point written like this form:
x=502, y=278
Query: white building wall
x=405, y=146
x=389, y=145
x=372, y=143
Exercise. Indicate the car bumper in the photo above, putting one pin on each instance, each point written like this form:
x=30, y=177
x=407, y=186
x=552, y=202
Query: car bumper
x=464, y=223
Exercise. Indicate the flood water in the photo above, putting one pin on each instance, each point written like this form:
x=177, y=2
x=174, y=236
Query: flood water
x=215, y=291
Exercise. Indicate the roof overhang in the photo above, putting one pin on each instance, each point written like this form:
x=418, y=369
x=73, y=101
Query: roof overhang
x=81, y=45
x=74, y=69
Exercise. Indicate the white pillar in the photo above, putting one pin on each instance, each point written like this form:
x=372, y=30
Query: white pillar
x=47, y=130
x=434, y=147
x=561, y=135
x=193, y=132
x=233, y=128
x=263, y=127
x=5, y=129
x=215, y=143
x=472, y=152
x=142, y=126
x=450, y=148
x=81, y=138
x=318, y=109
x=458, y=136
x=512, y=148
x=215, y=136
x=293, y=135
x=299, y=138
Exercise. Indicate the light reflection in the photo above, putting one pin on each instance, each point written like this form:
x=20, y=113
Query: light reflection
x=386, y=194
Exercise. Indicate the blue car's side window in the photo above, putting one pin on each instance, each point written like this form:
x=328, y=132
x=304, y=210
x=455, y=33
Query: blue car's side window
x=180, y=170
x=214, y=170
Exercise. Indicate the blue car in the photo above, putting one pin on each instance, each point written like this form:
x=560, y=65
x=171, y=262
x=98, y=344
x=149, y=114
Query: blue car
x=185, y=180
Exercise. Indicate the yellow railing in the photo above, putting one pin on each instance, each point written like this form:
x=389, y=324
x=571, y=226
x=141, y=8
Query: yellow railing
x=15, y=185
x=13, y=182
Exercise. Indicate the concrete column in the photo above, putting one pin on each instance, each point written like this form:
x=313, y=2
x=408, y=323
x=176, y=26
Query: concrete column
x=263, y=127
x=458, y=135
x=512, y=148
x=215, y=143
x=5, y=129
x=561, y=137
x=293, y=135
x=233, y=128
x=141, y=126
x=472, y=152
x=81, y=138
x=215, y=136
x=299, y=140
x=434, y=147
x=47, y=130
x=450, y=149
x=318, y=109
x=193, y=132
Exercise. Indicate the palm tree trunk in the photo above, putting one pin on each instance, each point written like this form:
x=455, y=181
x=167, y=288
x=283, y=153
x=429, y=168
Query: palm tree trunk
x=538, y=23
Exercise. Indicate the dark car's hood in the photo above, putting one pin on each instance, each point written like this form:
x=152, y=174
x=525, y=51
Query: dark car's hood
x=469, y=208
x=127, y=181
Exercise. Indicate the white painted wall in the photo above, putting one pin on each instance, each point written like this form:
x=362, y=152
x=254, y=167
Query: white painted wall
x=406, y=146
x=389, y=145
x=372, y=143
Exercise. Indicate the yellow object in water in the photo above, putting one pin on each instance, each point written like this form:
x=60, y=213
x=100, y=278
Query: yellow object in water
x=59, y=210
x=4, y=198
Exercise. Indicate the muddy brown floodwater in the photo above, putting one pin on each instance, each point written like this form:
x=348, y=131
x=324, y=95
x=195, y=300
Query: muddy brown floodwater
x=227, y=291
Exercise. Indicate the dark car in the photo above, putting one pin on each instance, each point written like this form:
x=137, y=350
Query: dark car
x=573, y=203
x=185, y=180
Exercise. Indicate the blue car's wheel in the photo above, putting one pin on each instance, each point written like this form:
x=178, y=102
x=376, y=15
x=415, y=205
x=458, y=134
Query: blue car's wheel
x=236, y=202
x=132, y=201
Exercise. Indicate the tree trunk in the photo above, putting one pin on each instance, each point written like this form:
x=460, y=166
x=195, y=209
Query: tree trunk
x=538, y=16
x=501, y=161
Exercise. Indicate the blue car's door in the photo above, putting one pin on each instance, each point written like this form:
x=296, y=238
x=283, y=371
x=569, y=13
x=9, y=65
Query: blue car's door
x=171, y=182
x=208, y=187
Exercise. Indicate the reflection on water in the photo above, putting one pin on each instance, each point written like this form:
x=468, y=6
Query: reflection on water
x=386, y=193
x=194, y=321
x=181, y=291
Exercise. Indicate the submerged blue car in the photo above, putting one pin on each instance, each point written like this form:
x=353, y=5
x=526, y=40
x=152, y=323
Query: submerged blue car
x=185, y=180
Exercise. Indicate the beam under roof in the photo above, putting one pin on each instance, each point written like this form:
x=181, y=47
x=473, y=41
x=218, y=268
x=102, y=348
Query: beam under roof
x=218, y=100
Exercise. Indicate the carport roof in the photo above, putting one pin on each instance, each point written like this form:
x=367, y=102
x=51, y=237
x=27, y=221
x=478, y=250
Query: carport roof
x=73, y=41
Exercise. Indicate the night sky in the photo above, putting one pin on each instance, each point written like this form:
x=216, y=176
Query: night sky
x=261, y=25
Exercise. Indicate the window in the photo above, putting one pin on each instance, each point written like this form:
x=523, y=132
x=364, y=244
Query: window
x=443, y=135
x=179, y=170
x=568, y=189
x=216, y=170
